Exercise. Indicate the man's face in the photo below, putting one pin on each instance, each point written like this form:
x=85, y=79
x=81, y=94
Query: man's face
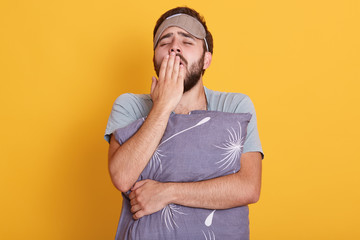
x=188, y=48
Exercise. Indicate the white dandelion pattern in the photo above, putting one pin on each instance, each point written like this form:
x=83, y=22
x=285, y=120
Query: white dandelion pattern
x=209, y=219
x=210, y=235
x=168, y=215
x=156, y=158
x=233, y=148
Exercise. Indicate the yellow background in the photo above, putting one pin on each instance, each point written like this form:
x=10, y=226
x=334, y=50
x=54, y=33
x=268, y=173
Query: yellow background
x=63, y=63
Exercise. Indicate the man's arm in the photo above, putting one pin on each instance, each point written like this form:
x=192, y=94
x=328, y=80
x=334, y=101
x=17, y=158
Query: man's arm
x=224, y=192
x=126, y=162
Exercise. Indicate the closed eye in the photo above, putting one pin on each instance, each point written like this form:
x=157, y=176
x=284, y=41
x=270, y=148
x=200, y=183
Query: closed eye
x=163, y=44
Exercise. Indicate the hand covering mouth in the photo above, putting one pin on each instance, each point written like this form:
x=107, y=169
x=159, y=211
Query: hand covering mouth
x=182, y=60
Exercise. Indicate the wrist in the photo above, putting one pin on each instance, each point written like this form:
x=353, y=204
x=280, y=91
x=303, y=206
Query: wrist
x=171, y=192
x=161, y=110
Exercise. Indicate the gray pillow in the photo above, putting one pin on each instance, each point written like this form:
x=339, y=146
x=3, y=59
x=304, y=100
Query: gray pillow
x=194, y=147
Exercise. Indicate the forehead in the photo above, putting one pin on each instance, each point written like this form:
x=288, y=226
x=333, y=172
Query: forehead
x=174, y=30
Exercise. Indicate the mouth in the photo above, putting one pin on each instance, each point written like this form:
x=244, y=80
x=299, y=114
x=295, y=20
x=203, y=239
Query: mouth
x=182, y=60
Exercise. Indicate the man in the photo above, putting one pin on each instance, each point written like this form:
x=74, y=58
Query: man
x=183, y=49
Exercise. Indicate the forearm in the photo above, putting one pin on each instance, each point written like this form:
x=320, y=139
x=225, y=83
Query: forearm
x=128, y=160
x=228, y=191
x=219, y=193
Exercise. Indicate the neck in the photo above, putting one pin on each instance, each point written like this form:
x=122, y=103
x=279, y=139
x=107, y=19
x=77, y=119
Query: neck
x=194, y=99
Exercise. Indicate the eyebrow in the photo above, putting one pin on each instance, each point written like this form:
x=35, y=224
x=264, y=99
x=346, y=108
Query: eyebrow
x=165, y=36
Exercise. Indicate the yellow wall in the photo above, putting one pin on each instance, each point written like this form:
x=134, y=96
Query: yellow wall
x=63, y=63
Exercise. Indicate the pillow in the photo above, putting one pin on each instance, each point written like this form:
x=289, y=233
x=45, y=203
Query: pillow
x=195, y=147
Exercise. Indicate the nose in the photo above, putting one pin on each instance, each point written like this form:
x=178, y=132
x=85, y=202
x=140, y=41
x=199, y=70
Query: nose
x=174, y=47
x=176, y=50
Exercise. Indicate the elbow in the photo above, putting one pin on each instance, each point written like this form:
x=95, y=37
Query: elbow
x=119, y=182
x=120, y=185
x=254, y=198
x=254, y=195
x=123, y=189
x=249, y=196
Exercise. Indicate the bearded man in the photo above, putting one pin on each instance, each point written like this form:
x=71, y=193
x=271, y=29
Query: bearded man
x=175, y=207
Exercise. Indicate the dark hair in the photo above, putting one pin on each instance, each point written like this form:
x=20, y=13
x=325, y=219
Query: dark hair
x=190, y=12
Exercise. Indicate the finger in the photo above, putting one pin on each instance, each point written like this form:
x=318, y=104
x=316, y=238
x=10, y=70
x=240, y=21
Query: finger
x=181, y=76
x=133, y=202
x=135, y=208
x=176, y=68
x=153, y=84
x=139, y=214
x=132, y=195
x=170, y=65
x=163, y=68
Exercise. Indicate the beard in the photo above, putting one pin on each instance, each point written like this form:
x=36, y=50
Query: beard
x=193, y=74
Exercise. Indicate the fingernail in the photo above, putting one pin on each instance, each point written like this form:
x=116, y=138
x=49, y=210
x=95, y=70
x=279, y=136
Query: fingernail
x=172, y=53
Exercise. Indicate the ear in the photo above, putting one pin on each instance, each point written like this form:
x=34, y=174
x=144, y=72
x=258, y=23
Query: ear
x=207, y=60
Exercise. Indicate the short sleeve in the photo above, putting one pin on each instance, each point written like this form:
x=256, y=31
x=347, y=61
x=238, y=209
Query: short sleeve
x=237, y=103
x=126, y=109
x=252, y=142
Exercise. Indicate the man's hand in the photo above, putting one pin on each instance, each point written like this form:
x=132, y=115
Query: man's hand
x=166, y=92
x=147, y=197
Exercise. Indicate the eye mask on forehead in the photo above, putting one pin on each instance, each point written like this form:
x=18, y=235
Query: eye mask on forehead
x=186, y=22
